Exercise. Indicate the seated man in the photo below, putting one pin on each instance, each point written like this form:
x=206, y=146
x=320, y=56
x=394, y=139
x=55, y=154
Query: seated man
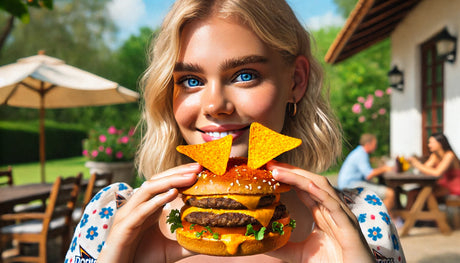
x=356, y=171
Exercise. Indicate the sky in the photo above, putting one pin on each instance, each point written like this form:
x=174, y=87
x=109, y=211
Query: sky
x=130, y=15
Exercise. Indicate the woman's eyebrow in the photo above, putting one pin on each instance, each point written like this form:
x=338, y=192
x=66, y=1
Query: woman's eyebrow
x=228, y=64
x=181, y=66
x=233, y=63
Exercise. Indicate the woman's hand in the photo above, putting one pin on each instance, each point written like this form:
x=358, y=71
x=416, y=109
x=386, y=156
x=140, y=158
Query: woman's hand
x=135, y=235
x=336, y=236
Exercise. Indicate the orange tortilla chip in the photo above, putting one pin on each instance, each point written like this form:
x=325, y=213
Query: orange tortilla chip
x=212, y=155
x=265, y=144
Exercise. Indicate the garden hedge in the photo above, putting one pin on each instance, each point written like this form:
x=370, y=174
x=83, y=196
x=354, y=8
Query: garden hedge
x=21, y=145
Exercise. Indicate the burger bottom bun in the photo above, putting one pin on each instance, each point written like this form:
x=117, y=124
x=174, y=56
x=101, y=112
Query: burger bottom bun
x=238, y=245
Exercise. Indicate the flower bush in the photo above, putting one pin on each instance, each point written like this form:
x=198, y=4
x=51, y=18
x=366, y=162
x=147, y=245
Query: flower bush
x=110, y=145
x=373, y=106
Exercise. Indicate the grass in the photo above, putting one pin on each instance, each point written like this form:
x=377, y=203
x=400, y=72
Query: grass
x=26, y=173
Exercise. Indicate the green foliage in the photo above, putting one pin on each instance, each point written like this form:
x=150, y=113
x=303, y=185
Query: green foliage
x=358, y=76
x=19, y=8
x=61, y=141
x=110, y=145
x=345, y=6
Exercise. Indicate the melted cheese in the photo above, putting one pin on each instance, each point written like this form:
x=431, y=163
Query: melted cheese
x=263, y=215
x=249, y=201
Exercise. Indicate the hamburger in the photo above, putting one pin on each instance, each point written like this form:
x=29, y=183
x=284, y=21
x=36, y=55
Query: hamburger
x=234, y=208
x=234, y=214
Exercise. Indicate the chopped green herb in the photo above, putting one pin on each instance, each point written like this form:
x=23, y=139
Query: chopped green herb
x=174, y=220
x=192, y=226
x=259, y=235
x=199, y=234
x=292, y=223
x=277, y=227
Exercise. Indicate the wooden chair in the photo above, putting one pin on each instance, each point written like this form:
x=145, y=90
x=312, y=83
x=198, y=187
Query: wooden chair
x=453, y=203
x=38, y=228
x=96, y=182
x=8, y=174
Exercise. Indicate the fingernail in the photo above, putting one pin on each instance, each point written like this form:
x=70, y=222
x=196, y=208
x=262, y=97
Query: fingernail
x=188, y=174
x=275, y=172
x=194, y=165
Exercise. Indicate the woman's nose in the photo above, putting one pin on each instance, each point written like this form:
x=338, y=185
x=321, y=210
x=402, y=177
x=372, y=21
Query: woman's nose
x=215, y=102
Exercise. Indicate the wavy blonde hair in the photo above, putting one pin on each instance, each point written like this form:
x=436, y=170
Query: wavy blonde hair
x=274, y=22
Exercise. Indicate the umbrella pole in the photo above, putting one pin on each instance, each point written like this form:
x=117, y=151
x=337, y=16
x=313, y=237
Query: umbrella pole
x=42, y=133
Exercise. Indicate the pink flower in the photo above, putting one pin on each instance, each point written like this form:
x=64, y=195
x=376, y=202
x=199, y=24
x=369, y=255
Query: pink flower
x=362, y=119
x=112, y=130
x=369, y=101
x=378, y=93
x=119, y=155
x=124, y=139
x=94, y=153
x=85, y=152
x=131, y=132
x=102, y=138
x=382, y=111
x=356, y=108
x=374, y=116
x=108, y=151
x=361, y=99
x=100, y=148
x=389, y=91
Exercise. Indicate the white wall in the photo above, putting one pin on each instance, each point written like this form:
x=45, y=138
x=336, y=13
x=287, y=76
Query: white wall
x=424, y=21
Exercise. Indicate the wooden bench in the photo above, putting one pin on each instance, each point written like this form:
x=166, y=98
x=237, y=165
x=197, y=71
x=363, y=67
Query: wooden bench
x=453, y=203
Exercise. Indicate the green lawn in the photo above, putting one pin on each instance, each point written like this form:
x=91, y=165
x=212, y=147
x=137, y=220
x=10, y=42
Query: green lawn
x=30, y=172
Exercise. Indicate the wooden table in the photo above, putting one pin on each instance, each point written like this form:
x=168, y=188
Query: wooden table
x=19, y=194
x=426, y=196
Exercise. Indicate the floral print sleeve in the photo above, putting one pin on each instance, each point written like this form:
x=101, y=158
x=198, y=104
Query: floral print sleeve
x=375, y=223
x=90, y=234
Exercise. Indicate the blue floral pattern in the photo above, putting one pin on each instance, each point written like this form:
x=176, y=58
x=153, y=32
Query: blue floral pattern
x=92, y=233
x=373, y=199
x=106, y=212
x=84, y=220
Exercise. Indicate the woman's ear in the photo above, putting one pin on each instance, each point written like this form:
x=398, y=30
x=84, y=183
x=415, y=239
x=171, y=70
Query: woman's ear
x=301, y=77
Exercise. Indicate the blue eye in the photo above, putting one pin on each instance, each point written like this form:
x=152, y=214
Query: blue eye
x=245, y=77
x=192, y=82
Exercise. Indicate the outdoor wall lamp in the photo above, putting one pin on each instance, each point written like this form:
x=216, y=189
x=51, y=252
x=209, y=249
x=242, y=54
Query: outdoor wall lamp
x=396, y=78
x=446, y=46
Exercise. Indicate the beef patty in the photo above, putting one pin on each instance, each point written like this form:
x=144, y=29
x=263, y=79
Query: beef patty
x=227, y=203
x=230, y=219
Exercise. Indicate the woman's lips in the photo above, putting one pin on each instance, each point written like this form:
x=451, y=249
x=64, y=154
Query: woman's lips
x=215, y=133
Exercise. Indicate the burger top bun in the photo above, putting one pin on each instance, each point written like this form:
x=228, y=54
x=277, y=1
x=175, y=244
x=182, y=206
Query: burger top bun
x=238, y=179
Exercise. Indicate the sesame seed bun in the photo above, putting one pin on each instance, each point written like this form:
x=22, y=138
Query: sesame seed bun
x=238, y=179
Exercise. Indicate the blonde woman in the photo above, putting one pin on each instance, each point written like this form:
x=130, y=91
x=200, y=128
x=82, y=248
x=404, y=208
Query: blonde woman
x=217, y=66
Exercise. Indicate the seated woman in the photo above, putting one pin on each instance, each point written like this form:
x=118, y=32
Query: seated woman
x=442, y=163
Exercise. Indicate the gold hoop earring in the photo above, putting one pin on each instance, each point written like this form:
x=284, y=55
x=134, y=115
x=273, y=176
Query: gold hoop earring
x=292, y=109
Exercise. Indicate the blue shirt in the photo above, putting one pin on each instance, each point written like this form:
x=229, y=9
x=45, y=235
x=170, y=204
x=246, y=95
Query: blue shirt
x=355, y=168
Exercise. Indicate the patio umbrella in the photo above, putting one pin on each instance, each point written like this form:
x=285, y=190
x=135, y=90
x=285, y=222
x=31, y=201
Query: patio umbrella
x=43, y=82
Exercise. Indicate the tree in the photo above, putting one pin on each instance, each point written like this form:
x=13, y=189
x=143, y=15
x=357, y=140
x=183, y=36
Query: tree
x=345, y=6
x=361, y=75
x=76, y=31
x=19, y=9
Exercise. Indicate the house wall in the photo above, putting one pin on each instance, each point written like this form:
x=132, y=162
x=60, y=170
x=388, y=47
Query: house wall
x=427, y=19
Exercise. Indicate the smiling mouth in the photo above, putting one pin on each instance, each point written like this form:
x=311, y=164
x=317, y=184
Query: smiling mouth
x=218, y=135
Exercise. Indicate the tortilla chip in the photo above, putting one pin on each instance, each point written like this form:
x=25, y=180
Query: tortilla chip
x=212, y=155
x=265, y=144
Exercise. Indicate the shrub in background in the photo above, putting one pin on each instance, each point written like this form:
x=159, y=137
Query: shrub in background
x=110, y=145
